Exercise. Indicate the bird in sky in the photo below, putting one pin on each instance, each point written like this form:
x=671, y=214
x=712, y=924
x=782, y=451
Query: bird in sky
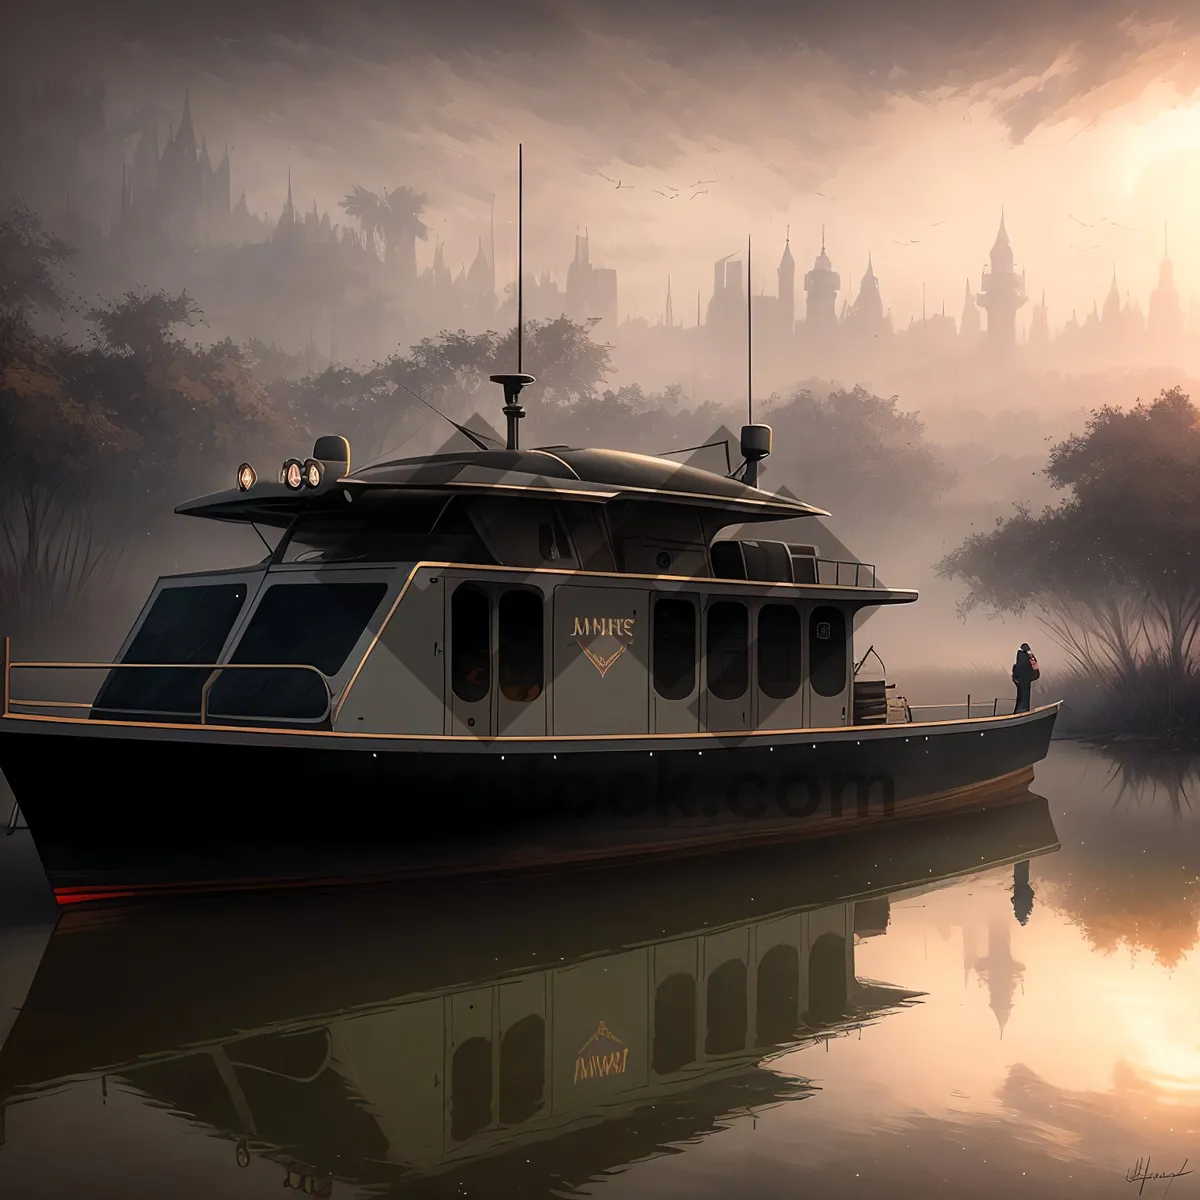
x=700, y=181
x=667, y=195
x=1085, y=249
x=695, y=194
x=937, y=223
x=1079, y=222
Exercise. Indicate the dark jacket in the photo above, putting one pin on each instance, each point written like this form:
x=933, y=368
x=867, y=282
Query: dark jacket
x=1023, y=670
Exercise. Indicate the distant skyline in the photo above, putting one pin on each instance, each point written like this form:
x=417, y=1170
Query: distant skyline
x=1082, y=125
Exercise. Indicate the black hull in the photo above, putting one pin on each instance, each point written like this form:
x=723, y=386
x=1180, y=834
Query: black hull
x=119, y=811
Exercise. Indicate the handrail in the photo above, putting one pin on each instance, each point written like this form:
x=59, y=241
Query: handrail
x=838, y=563
x=970, y=705
x=215, y=670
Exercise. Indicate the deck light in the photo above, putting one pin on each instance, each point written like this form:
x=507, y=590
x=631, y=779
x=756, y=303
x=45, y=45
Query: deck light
x=312, y=473
x=292, y=474
x=245, y=477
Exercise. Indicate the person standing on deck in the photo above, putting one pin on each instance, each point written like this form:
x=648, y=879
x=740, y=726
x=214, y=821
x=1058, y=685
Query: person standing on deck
x=1024, y=673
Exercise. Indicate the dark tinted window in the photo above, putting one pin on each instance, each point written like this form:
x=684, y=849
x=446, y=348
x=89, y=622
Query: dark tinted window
x=184, y=625
x=674, y=649
x=520, y=667
x=728, y=649
x=827, y=650
x=396, y=535
x=780, y=634
x=470, y=643
x=294, y=623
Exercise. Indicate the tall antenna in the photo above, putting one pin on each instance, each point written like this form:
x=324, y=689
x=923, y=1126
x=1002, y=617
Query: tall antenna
x=520, y=251
x=749, y=344
x=755, y=439
x=513, y=384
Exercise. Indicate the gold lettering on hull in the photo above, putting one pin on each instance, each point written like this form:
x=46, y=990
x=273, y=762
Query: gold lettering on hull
x=601, y=1055
x=613, y=630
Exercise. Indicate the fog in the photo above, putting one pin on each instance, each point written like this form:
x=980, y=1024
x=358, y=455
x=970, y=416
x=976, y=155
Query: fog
x=985, y=212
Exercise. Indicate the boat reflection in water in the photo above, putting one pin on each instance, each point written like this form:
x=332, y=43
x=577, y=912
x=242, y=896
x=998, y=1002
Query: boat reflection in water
x=534, y=1033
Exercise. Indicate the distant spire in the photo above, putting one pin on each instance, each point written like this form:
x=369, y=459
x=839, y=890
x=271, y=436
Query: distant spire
x=822, y=237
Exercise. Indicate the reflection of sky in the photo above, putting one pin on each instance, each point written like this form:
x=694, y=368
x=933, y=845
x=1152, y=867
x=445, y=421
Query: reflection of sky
x=1098, y=1066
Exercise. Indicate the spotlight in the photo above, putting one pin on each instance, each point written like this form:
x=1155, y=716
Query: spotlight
x=312, y=473
x=245, y=477
x=292, y=474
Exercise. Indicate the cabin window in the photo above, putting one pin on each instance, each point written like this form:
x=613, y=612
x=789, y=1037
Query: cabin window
x=470, y=644
x=521, y=667
x=780, y=634
x=728, y=649
x=674, y=649
x=552, y=541
x=295, y=623
x=827, y=650
x=184, y=625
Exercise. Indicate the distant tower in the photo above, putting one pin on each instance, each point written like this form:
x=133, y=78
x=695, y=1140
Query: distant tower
x=669, y=316
x=787, y=287
x=1001, y=293
x=1166, y=313
x=969, y=325
x=821, y=286
x=1039, y=325
x=865, y=316
x=1111, y=313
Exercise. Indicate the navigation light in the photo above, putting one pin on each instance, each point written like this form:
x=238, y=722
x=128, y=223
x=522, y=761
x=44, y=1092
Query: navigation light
x=293, y=474
x=245, y=477
x=312, y=473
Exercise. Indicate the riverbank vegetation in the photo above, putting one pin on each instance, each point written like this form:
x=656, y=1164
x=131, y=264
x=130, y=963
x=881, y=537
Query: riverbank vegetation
x=1112, y=572
x=102, y=438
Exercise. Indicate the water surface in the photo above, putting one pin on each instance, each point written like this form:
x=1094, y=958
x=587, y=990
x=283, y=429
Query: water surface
x=998, y=1005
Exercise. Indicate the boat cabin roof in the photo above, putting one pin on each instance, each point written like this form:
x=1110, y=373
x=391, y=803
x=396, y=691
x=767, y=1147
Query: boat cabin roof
x=552, y=473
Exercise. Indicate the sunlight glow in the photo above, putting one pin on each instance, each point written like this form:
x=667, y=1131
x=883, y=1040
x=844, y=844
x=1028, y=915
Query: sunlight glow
x=1171, y=130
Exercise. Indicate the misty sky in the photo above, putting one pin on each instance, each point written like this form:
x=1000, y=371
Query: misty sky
x=917, y=120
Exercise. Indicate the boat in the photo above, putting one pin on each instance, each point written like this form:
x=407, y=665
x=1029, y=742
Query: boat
x=485, y=660
x=518, y=1032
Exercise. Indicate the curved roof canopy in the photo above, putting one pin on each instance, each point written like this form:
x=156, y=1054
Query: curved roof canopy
x=592, y=476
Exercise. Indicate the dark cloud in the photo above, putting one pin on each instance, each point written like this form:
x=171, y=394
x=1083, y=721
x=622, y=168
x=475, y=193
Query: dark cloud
x=583, y=62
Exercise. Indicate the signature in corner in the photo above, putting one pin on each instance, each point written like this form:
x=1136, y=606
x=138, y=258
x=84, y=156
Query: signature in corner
x=1141, y=1173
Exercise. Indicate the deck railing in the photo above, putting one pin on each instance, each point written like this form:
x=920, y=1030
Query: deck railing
x=10, y=702
x=845, y=573
x=998, y=706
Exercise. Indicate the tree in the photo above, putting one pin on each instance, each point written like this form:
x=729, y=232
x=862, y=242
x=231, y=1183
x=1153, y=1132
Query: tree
x=143, y=322
x=30, y=259
x=396, y=216
x=855, y=453
x=1112, y=570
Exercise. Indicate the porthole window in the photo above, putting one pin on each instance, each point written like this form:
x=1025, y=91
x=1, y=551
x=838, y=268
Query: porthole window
x=521, y=666
x=780, y=638
x=827, y=650
x=470, y=644
x=674, y=649
x=728, y=650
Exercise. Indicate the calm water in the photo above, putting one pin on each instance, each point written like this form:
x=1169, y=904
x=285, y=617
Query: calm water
x=1001, y=1005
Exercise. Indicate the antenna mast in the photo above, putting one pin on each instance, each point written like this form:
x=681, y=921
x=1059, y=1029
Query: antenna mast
x=749, y=344
x=755, y=439
x=513, y=384
x=520, y=249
